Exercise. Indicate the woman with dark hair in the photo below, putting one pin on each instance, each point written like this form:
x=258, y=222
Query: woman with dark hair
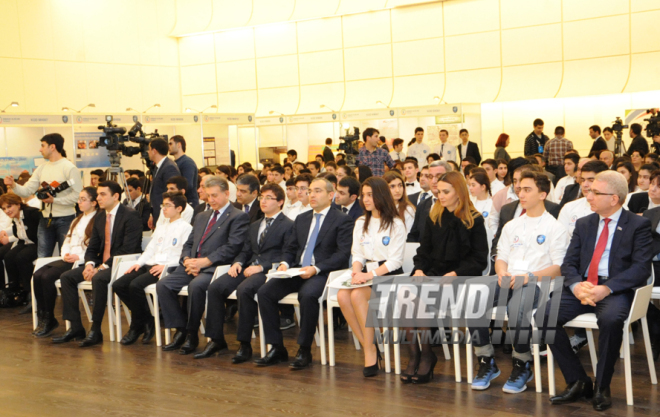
x=344, y=171
x=482, y=198
x=362, y=172
x=637, y=159
x=455, y=244
x=73, y=249
x=405, y=208
x=379, y=240
x=225, y=171
x=500, y=147
x=502, y=171
x=627, y=170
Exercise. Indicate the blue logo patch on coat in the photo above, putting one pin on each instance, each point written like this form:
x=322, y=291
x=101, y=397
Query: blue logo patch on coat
x=386, y=240
x=174, y=242
x=485, y=214
x=540, y=239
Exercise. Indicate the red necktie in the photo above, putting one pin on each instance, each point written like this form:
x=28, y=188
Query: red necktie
x=108, y=238
x=523, y=212
x=592, y=276
x=208, y=229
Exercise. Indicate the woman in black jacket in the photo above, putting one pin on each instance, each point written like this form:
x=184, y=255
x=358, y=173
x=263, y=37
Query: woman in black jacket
x=455, y=244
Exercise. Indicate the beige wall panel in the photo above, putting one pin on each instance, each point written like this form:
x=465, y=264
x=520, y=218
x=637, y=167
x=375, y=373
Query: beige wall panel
x=196, y=50
x=99, y=45
x=644, y=100
x=481, y=50
x=527, y=82
x=319, y=34
x=519, y=13
x=193, y=135
x=518, y=118
x=612, y=39
x=357, y=6
x=101, y=87
x=307, y=9
x=168, y=47
x=472, y=86
x=128, y=79
x=531, y=45
x=199, y=103
x=236, y=75
x=471, y=16
x=312, y=96
x=282, y=100
x=149, y=35
x=574, y=10
x=418, y=57
x=270, y=11
x=644, y=73
x=417, y=90
x=170, y=91
x=11, y=86
x=280, y=71
x=40, y=86
x=125, y=33
x=152, y=89
x=646, y=31
x=10, y=34
x=36, y=26
x=421, y=22
x=248, y=146
x=238, y=102
x=321, y=67
x=368, y=62
x=24, y=141
x=71, y=87
x=192, y=16
x=366, y=28
x=274, y=40
x=586, y=77
x=234, y=45
x=229, y=14
x=491, y=128
x=199, y=79
x=642, y=5
x=365, y=94
x=272, y=135
x=68, y=32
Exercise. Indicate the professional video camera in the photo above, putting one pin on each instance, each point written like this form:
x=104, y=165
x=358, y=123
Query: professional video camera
x=114, y=140
x=350, y=145
x=617, y=128
x=51, y=189
x=653, y=127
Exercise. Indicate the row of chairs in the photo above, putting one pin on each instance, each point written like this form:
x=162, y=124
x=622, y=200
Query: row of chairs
x=588, y=321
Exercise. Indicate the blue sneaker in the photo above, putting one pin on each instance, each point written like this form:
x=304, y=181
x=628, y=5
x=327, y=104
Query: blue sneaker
x=487, y=372
x=520, y=376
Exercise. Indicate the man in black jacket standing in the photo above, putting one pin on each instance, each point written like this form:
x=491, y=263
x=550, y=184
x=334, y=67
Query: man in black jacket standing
x=164, y=169
x=118, y=232
x=186, y=166
x=535, y=141
x=639, y=142
x=599, y=142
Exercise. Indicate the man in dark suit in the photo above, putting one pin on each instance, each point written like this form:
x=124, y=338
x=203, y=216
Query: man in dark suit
x=639, y=202
x=203, y=205
x=139, y=202
x=247, y=191
x=599, y=142
x=436, y=170
x=653, y=314
x=264, y=246
x=424, y=183
x=328, y=156
x=639, y=142
x=217, y=237
x=346, y=199
x=574, y=191
x=319, y=243
x=467, y=148
x=609, y=255
x=118, y=232
x=164, y=169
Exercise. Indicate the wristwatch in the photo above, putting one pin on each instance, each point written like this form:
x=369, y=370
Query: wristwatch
x=530, y=275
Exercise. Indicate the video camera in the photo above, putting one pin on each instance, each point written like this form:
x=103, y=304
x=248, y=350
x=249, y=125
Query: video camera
x=350, y=145
x=653, y=126
x=51, y=189
x=114, y=140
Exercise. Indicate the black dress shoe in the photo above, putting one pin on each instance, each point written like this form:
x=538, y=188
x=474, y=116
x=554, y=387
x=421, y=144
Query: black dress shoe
x=602, y=398
x=232, y=309
x=178, y=340
x=574, y=392
x=94, y=337
x=191, y=343
x=302, y=360
x=149, y=332
x=211, y=349
x=69, y=336
x=40, y=322
x=50, y=323
x=275, y=355
x=131, y=337
x=244, y=354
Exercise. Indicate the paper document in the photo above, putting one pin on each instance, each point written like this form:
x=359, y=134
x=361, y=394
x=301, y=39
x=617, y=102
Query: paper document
x=289, y=273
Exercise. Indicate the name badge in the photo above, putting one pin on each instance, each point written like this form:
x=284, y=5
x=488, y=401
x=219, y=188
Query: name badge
x=371, y=266
x=521, y=265
x=161, y=258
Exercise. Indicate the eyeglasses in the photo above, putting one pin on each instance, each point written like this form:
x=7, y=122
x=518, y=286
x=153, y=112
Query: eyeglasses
x=166, y=205
x=266, y=197
x=83, y=199
x=597, y=193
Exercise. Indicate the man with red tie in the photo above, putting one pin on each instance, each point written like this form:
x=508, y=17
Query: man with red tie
x=609, y=255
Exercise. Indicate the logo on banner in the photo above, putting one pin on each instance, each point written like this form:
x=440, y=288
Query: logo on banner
x=206, y=118
x=65, y=119
x=281, y=119
x=148, y=119
x=334, y=116
x=135, y=119
x=196, y=118
x=403, y=112
x=540, y=239
x=454, y=109
x=78, y=119
x=249, y=118
x=391, y=112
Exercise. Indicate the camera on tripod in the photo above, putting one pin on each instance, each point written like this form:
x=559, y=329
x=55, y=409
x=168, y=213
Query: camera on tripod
x=51, y=189
x=114, y=140
x=653, y=126
x=350, y=145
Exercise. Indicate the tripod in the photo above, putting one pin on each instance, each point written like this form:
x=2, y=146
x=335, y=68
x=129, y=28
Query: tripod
x=116, y=174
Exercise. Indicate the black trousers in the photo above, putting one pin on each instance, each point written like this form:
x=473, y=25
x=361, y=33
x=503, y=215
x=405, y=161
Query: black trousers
x=18, y=263
x=611, y=312
x=71, y=304
x=218, y=292
x=130, y=289
x=43, y=280
x=309, y=291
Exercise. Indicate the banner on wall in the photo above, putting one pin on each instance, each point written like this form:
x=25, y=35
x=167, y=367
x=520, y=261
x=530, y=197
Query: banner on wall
x=14, y=165
x=637, y=116
x=88, y=152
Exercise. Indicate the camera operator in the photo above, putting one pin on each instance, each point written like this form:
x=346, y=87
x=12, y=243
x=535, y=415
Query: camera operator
x=372, y=155
x=58, y=211
x=187, y=167
x=164, y=169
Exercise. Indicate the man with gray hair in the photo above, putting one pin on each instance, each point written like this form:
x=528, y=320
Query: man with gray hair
x=609, y=255
x=436, y=170
x=217, y=237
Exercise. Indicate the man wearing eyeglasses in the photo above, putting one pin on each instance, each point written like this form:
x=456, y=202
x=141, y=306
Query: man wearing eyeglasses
x=178, y=184
x=436, y=170
x=302, y=189
x=609, y=255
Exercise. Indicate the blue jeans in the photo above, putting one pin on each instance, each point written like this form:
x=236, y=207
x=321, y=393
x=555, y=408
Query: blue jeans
x=56, y=233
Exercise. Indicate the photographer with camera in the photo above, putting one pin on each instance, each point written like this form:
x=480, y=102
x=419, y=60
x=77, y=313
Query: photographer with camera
x=57, y=184
x=372, y=155
x=164, y=169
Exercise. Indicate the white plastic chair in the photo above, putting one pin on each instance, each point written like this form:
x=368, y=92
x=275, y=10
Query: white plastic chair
x=589, y=322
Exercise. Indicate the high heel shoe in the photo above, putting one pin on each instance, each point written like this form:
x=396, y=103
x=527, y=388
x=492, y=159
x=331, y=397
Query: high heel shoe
x=423, y=379
x=370, y=371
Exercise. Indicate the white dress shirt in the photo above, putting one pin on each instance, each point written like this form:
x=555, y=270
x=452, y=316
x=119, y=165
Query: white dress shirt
x=323, y=214
x=412, y=187
x=232, y=191
x=289, y=209
x=603, y=265
x=572, y=212
x=398, y=156
x=485, y=207
x=74, y=243
x=186, y=215
x=409, y=217
x=561, y=185
x=496, y=186
x=447, y=152
x=21, y=231
x=166, y=243
x=419, y=151
x=379, y=245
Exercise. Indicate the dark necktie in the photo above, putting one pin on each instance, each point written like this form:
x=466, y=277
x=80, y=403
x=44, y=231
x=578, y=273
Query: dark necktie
x=410, y=184
x=592, y=276
x=345, y=210
x=423, y=197
x=207, y=231
x=434, y=200
x=263, y=234
x=523, y=212
x=246, y=208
